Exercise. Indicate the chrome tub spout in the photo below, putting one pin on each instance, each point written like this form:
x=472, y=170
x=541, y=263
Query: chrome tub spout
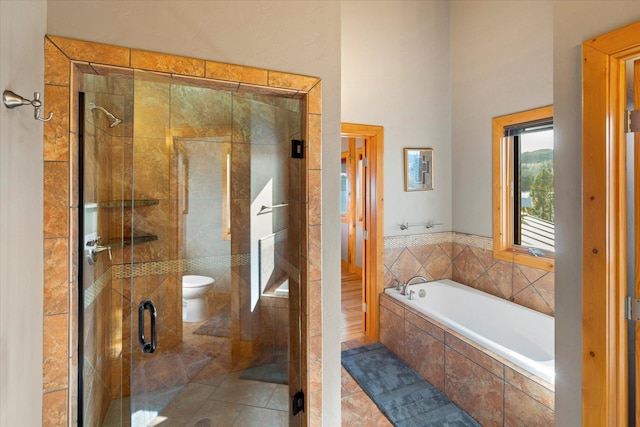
x=410, y=282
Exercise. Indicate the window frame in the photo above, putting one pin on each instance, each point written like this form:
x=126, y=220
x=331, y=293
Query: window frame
x=503, y=192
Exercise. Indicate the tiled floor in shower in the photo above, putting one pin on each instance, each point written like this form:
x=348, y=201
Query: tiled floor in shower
x=217, y=396
x=199, y=384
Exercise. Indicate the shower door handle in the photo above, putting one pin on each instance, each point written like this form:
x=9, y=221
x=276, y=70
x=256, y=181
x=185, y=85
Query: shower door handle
x=147, y=347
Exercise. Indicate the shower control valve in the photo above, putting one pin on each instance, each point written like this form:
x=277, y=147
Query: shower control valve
x=95, y=248
x=93, y=242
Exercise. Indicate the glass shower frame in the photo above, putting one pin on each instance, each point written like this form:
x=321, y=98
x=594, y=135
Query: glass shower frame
x=65, y=61
x=303, y=315
x=126, y=187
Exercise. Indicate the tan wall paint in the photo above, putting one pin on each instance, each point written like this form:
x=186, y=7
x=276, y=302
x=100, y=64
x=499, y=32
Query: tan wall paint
x=500, y=64
x=22, y=28
x=395, y=74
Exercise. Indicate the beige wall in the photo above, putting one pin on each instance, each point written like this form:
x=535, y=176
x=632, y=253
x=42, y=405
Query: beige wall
x=395, y=73
x=501, y=63
x=22, y=28
x=574, y=22
x=295, y=37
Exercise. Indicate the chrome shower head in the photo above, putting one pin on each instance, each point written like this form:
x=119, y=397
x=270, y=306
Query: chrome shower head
x=114, y=120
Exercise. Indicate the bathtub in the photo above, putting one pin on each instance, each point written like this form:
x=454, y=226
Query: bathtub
x=522, y=336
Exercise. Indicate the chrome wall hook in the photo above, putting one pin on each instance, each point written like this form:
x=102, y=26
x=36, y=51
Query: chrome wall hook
x=13, y=100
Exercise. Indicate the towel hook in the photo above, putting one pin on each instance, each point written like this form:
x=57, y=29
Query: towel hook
x=13, y=100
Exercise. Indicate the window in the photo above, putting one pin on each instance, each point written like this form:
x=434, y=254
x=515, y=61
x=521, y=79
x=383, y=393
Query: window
x=344, y=186
x=523, y=198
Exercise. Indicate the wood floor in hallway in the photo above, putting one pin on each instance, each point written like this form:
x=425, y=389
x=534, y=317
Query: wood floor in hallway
x=351, y=326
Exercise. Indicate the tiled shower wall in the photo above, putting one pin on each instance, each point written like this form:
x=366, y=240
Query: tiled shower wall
x=468, y=259
x=60, y=204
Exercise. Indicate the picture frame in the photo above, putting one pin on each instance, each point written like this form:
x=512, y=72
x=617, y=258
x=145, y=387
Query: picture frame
x=418, y=169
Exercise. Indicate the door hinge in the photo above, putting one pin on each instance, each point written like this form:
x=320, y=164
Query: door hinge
x=365, y=234
x=631, y=309
x=365, y=307
x=632, y=121
x=297, y=403
x=297, y=149
x=365, y=162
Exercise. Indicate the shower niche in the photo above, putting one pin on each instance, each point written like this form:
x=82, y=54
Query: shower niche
x=180, y=176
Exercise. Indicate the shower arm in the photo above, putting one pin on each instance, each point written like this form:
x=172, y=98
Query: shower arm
x=116, y=121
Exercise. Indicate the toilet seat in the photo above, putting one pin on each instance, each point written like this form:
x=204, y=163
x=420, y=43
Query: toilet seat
x=194, y=281
x=194, y=290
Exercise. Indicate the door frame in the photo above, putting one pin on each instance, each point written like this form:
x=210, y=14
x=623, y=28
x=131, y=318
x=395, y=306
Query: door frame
x=373, y=247
x=604, y=231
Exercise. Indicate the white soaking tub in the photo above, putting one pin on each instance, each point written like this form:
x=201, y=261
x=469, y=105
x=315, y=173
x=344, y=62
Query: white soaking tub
x=523, y=336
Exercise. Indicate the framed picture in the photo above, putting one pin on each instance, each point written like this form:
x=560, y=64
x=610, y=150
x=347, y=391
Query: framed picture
x=418, y=169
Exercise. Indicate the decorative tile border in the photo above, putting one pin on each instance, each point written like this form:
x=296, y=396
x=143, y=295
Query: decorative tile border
x=92, y=292
x=123, y=271
x=395, y=242
x=473, y=240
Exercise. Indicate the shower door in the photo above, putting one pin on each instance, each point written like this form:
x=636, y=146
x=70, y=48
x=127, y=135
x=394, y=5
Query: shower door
x=215, y=195
x=103, y=150
x=180, y=180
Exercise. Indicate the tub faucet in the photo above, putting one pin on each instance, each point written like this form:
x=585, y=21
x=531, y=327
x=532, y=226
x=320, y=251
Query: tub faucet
x=409, y=282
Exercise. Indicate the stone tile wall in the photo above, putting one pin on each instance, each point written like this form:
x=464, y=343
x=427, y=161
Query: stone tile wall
x=492, y=390
x=66, y=61
x=468, y=259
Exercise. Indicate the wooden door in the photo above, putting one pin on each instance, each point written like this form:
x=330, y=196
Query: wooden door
x=372, y=199
x=636, y=201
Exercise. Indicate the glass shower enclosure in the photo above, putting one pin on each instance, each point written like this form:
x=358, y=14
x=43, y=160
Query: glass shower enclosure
x=190, y=236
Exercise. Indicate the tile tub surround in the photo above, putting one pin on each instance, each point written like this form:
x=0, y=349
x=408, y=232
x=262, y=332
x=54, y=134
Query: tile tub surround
x=62, y=56
x=489, y=388
x=468, y=259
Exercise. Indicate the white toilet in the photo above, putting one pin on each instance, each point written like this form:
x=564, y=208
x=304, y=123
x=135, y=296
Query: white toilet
x=194, y=290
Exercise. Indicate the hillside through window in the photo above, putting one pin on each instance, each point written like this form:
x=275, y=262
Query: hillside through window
x=524, y=230
x=533, y=183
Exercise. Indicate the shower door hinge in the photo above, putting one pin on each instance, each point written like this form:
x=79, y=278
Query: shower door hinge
x=365, y=162
x=365, y=234
x=297, y=149
x=297, y=403
x=631, y=309
x=632, y=121
x=365, y=307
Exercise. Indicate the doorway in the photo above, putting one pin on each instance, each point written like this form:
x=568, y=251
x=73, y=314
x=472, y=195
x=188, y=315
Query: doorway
x=607, y=60
x=362, y=238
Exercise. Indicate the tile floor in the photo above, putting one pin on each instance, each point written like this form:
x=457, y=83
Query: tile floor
x=217, y=396
x=222, y=401
x=199, y=384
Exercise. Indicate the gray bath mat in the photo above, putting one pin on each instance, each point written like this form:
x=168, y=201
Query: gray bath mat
x=402, y=394
x=269, y=373
x=268, y=365
x=217, y=326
